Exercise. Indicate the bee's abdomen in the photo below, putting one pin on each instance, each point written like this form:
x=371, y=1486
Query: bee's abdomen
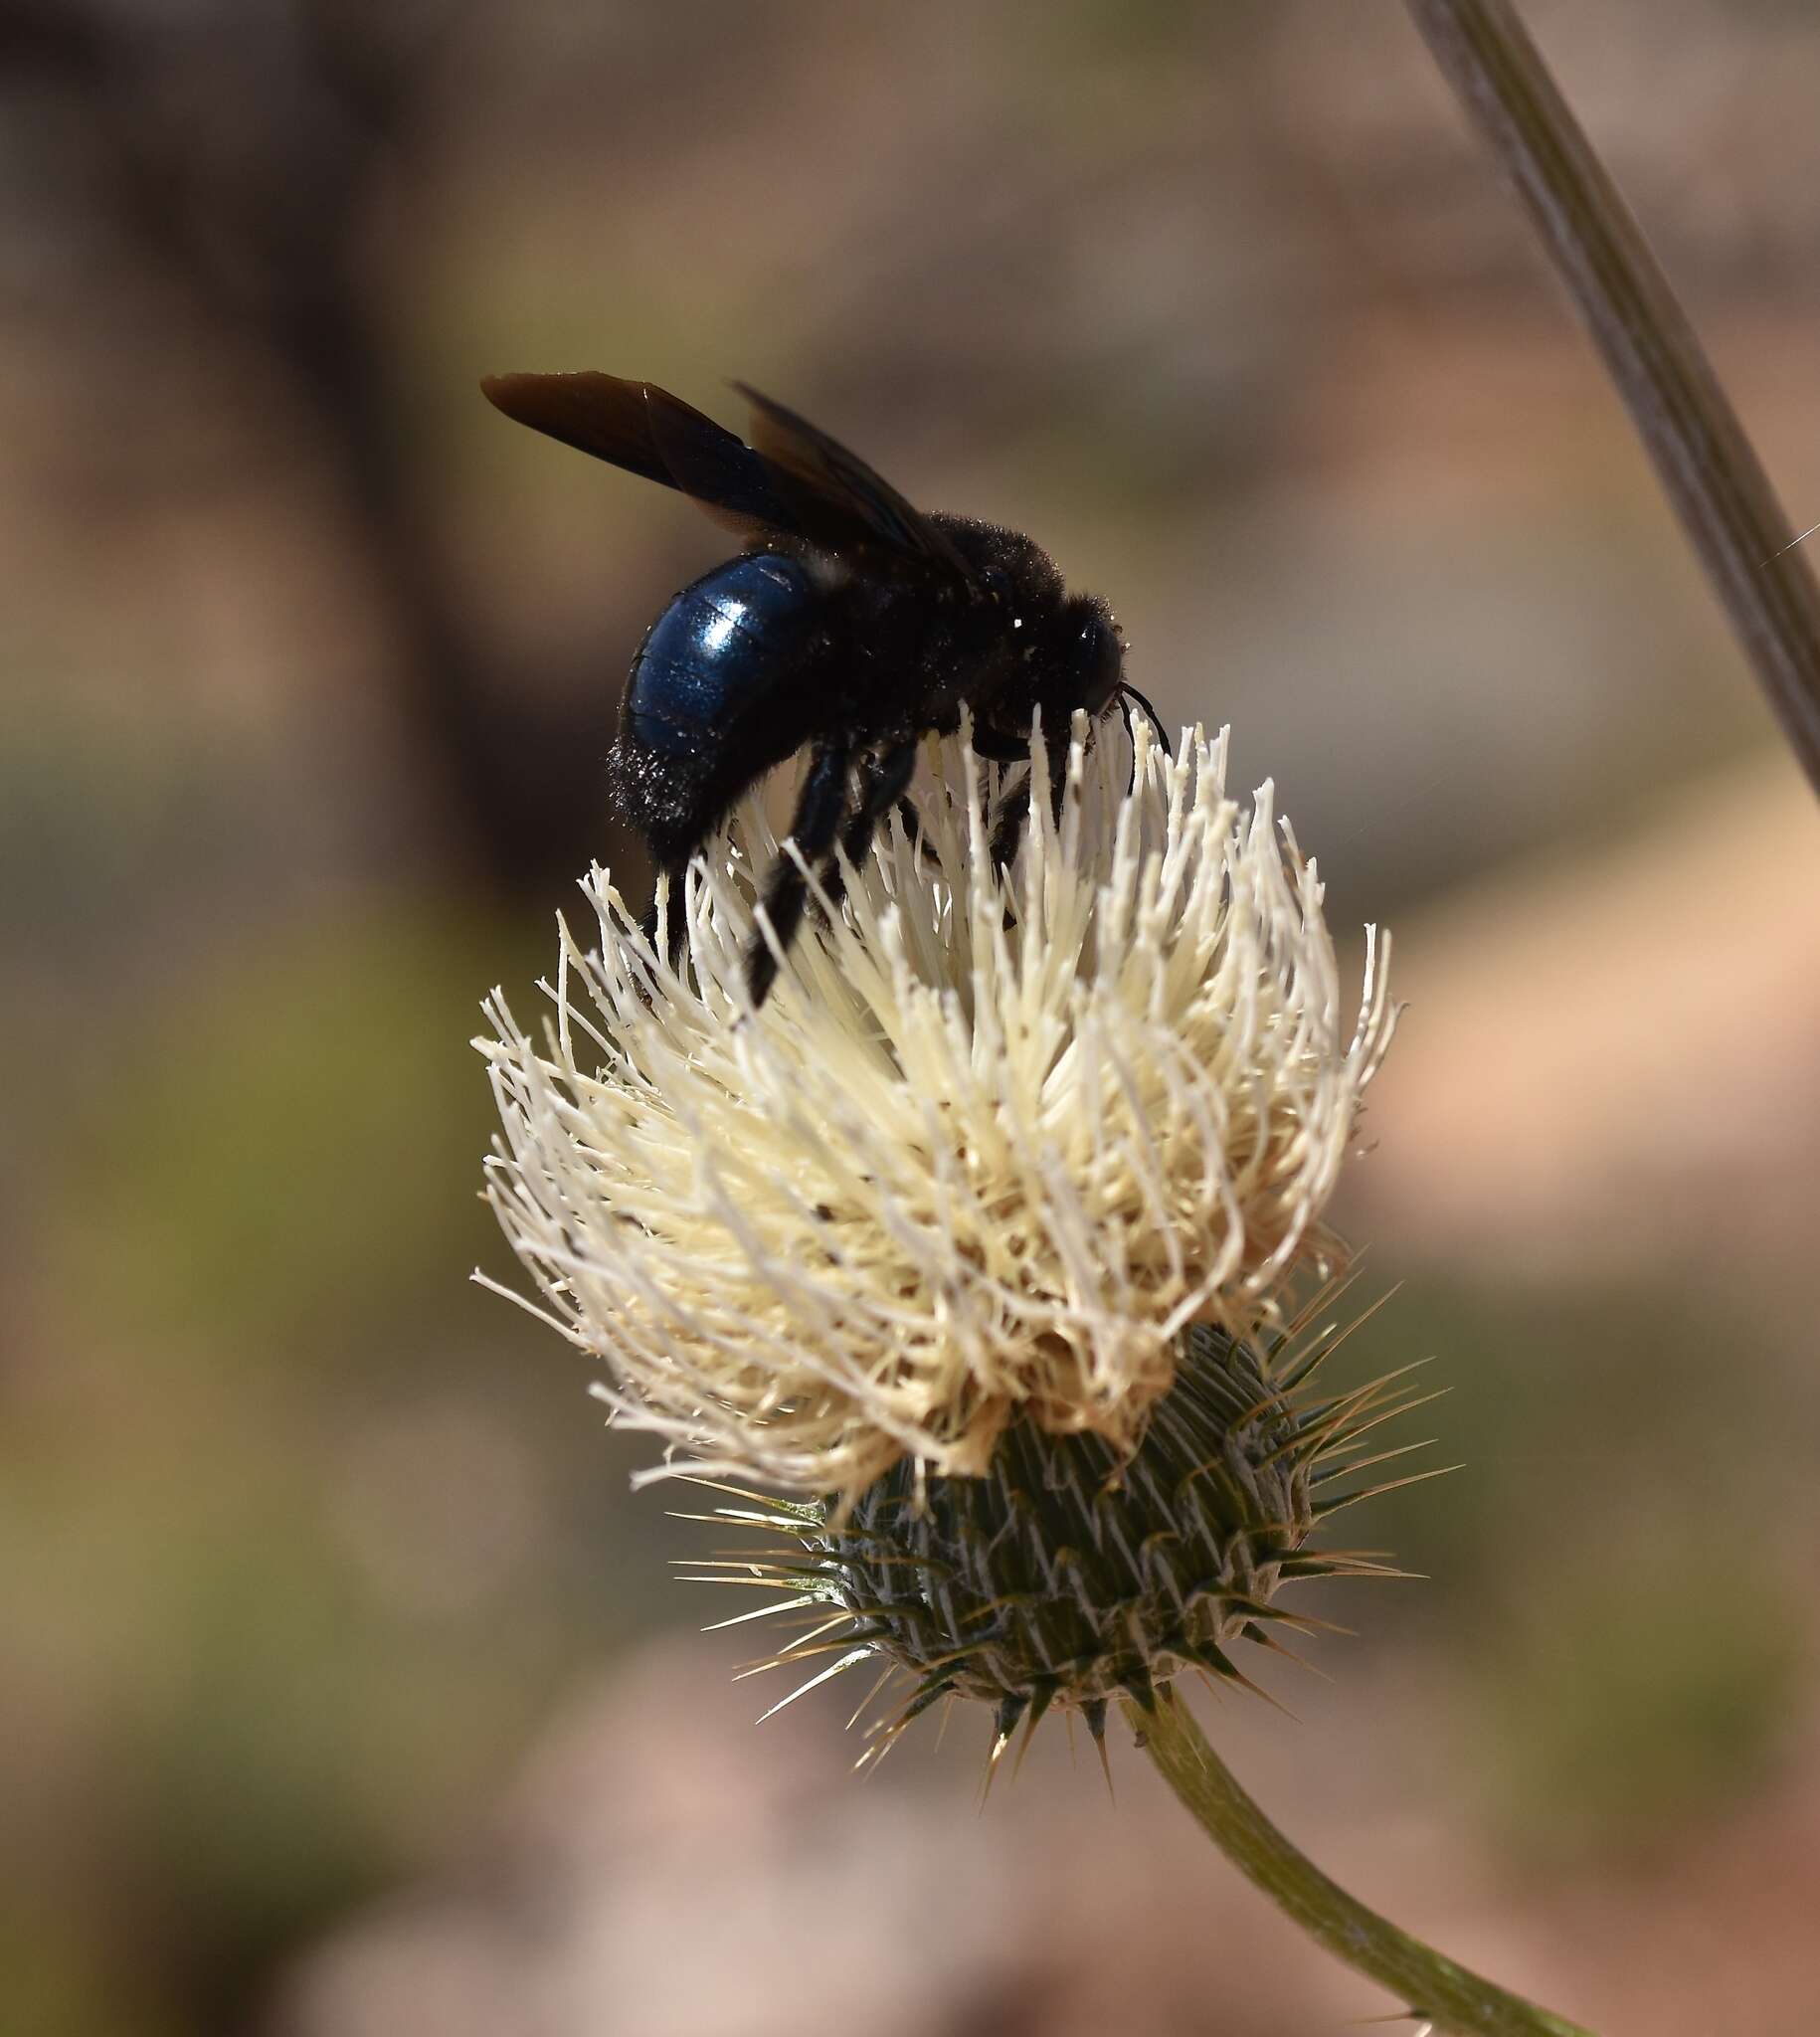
x=726, y=657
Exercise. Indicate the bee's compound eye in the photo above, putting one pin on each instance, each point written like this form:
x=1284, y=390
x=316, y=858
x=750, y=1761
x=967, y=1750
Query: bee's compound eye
x=1099, y=661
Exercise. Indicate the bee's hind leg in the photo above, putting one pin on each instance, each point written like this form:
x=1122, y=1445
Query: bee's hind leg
x=814, y=829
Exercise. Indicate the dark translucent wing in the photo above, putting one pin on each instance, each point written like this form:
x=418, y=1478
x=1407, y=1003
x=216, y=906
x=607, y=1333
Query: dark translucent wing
x=846, y=487
x=649, y=433
x=796, y=478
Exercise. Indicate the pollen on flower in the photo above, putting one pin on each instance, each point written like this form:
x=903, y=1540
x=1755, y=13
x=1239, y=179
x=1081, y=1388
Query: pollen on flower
x=992, y=1143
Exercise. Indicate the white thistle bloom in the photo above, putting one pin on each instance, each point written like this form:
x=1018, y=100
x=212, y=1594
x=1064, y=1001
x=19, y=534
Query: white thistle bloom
x=987, y=1149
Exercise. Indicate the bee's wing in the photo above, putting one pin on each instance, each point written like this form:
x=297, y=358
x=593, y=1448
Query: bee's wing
x=793, y=478
x=842, y=485
x=649, y=433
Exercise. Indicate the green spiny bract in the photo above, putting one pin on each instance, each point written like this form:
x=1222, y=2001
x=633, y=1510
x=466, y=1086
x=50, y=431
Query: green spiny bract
x=1068, y=1574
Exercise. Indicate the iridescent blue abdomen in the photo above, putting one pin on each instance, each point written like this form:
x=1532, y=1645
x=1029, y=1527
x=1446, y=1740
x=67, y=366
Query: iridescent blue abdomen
x=724, y=656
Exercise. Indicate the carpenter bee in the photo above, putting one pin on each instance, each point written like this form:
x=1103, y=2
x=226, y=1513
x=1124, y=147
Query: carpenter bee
x=848, y=622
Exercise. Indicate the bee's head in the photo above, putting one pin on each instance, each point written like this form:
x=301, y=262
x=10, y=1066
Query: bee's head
x=1037, y=645
x=1095, y=653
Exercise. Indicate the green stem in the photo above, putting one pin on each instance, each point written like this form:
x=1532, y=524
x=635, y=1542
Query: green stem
x=1432, y=1986
x=1702, y=458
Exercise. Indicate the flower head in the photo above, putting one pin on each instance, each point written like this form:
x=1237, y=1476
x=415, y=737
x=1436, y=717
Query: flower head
x=992, y=1143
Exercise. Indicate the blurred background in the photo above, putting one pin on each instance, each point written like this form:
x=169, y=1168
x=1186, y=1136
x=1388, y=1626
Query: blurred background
x=342, y=1687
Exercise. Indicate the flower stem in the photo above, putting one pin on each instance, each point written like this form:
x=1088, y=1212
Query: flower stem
x=1432, y=1987
x=1702, y=457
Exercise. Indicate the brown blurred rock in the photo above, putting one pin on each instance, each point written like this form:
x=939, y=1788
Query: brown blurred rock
x=1612, y=1067
x=663, y=1868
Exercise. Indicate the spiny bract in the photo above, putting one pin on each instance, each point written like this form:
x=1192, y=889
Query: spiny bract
x=1068, y=1572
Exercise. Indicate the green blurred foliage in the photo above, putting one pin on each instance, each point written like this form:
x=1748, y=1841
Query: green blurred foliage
x=1633, y=1637
x=267, y=1525
x=292, y=1148
x=1638, y=1695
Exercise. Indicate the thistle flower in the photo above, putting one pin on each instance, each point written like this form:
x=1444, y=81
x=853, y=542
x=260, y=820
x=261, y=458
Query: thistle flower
x=991, y=1148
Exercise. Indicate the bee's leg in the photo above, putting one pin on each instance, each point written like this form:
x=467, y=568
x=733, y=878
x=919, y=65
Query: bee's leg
x=1015, y=807
x=881, y=786
x=1007, y=832
x=1058, y=747
x=910, y=821
x=997, y=747
x=820, y=806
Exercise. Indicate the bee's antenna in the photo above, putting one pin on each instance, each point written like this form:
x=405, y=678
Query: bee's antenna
x=1129, y=692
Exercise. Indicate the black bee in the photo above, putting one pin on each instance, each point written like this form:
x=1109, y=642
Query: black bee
x=848, y=622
